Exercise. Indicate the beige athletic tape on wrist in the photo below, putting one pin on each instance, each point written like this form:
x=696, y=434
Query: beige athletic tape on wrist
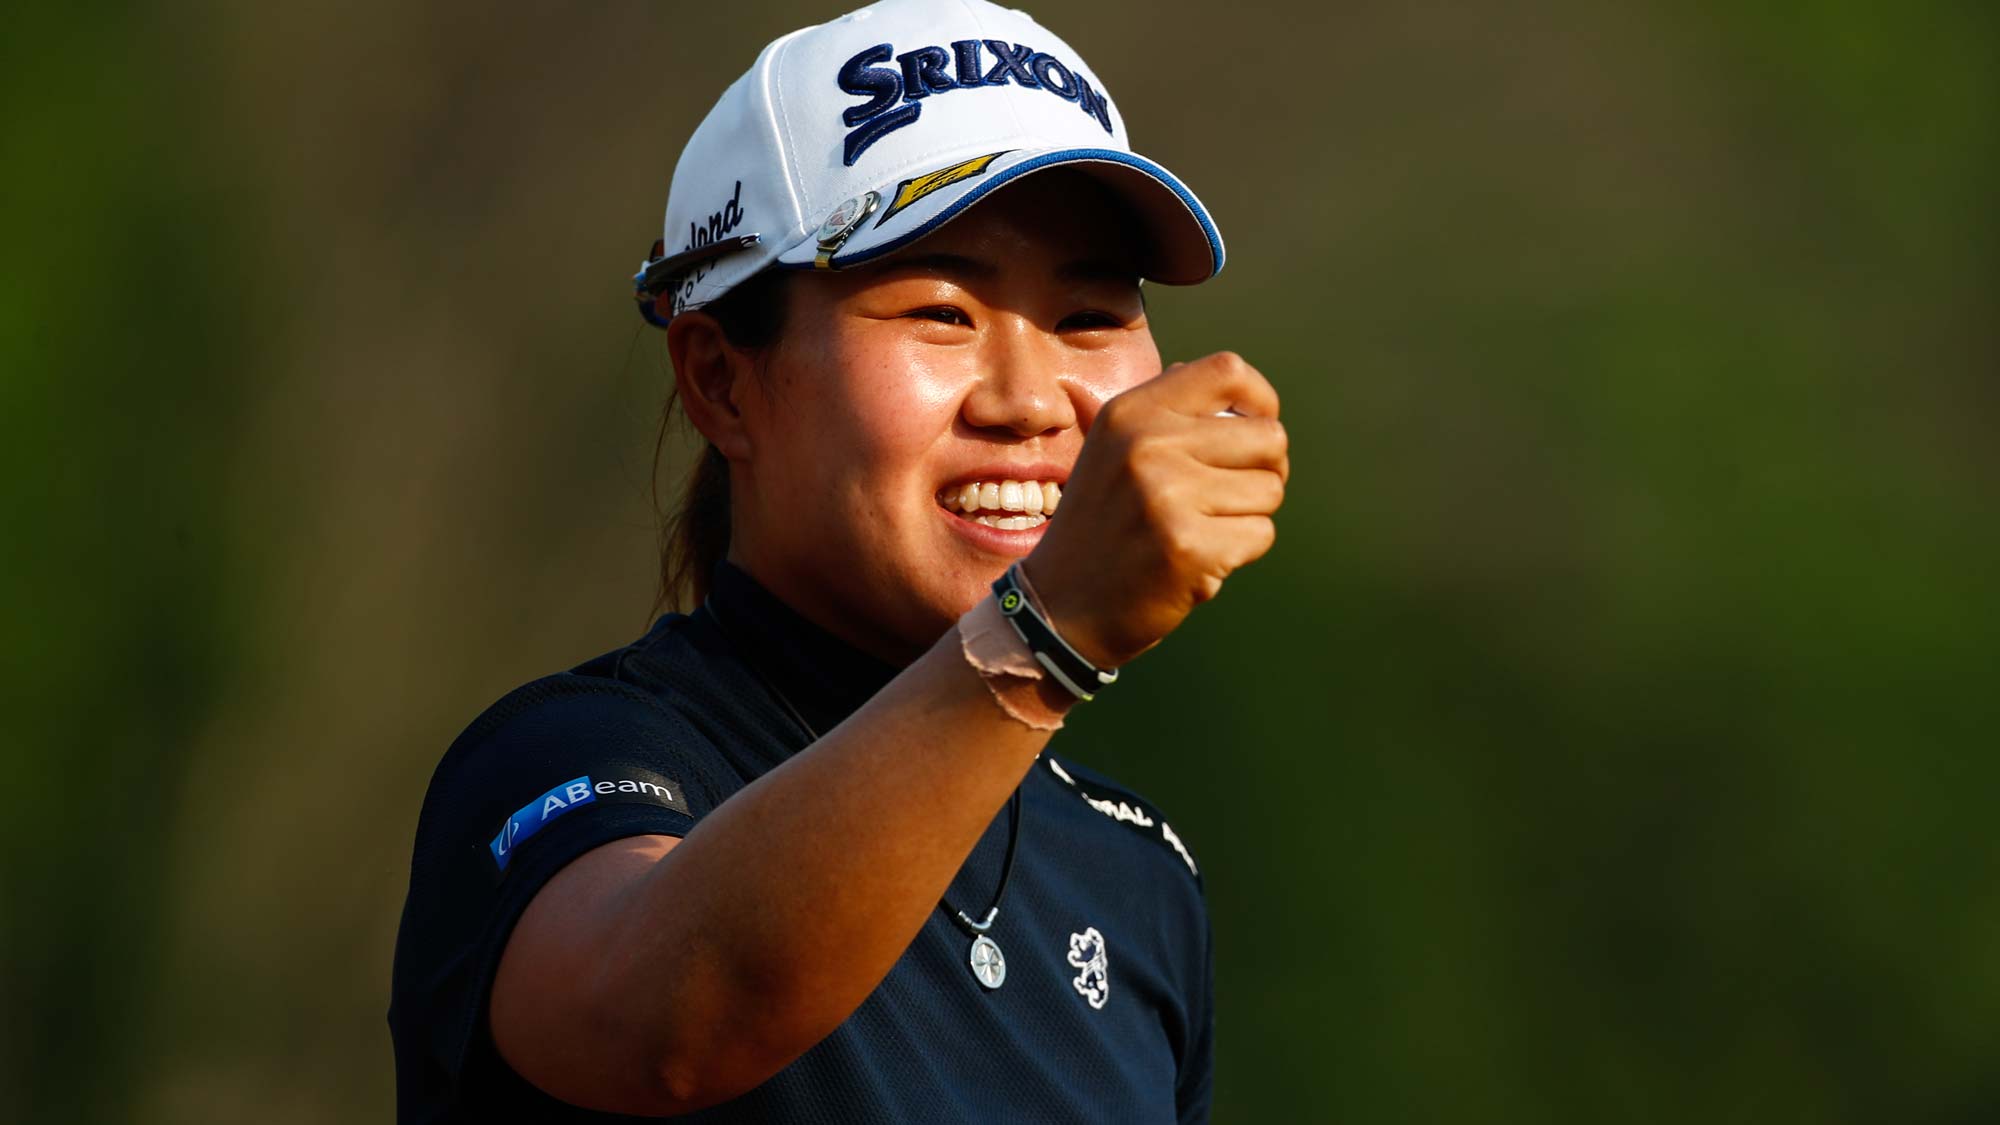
x=1002, y=659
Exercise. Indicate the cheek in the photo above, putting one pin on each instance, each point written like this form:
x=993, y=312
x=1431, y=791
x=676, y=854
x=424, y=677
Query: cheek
x=910, y=392
x=1119, y=371
x=871, y=412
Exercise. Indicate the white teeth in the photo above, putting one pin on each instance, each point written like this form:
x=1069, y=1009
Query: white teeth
x=1010, y=523
x=1032, y=500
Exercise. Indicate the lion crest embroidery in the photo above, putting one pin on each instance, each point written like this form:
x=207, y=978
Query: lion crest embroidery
x=1086, y=954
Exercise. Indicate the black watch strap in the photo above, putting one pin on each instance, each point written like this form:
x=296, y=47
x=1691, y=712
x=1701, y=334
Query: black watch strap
x=1071, y=670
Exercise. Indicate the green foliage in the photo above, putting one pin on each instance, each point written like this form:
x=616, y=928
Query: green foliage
x=118, y=384
x=1609, y=737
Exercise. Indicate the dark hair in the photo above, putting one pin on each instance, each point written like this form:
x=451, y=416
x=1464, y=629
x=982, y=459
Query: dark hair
x=694, y=534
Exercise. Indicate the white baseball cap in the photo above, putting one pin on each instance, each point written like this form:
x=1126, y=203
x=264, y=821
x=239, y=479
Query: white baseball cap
x=846, y=141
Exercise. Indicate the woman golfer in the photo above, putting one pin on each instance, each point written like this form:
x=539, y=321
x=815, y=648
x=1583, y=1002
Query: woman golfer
x=801, y=854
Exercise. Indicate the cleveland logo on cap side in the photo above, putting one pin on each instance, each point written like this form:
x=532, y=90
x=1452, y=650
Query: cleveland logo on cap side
x=923, y=72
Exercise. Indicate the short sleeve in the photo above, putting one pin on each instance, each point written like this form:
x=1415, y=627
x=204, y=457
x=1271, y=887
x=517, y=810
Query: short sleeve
x=557, y=768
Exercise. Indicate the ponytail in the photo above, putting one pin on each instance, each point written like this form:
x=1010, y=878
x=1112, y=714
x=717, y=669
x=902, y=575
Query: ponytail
x=694, y=533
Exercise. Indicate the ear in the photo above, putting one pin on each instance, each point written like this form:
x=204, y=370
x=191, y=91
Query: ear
x=710, y=375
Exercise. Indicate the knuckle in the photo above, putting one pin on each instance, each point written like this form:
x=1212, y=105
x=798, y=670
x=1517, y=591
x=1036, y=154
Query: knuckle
x=1253, y=541
x=1163, y=507
x=1179, y=543
x=1148, y=453
x=1274, y=491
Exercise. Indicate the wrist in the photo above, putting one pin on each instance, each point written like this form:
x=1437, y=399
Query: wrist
x=1024, y=610
x=1008, y=668
x=1068, y=610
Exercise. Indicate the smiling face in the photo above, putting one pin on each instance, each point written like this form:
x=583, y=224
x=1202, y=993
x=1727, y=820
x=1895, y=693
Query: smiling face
x=917, y=416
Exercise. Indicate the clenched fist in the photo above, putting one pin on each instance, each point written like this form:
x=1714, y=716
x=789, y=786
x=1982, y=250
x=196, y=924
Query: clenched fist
x=1169, y=496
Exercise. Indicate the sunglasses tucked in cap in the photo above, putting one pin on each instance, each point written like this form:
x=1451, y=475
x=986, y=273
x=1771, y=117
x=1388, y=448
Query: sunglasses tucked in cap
x=847, y=141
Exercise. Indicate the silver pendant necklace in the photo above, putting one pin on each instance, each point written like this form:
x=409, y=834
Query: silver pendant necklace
x=984, y=958
x=989, y=965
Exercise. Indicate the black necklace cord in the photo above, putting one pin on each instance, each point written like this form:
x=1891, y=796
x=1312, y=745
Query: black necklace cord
x=974, y=929
x=959, y=917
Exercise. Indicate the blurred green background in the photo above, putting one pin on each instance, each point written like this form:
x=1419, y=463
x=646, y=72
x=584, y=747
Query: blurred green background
x=1610, y=738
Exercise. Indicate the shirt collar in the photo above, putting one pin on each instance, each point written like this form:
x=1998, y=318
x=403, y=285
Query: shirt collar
x=822, y=676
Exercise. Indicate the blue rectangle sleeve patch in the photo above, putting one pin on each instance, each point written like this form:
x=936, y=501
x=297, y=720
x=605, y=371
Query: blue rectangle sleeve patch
x=537, y=813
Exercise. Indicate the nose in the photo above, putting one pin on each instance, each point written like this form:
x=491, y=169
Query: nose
x=1022, y=388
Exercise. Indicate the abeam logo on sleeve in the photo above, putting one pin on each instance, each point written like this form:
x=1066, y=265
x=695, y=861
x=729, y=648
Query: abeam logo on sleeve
x=536, y=814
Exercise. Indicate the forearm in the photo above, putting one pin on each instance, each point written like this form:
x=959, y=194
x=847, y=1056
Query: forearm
x=792, y=900
x=660, y=975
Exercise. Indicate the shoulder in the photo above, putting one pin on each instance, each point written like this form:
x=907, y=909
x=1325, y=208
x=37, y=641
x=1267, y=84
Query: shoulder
x=558, y=715
x=598, y=695
x=1122, y=809
x=601, y=701
x=591, y=722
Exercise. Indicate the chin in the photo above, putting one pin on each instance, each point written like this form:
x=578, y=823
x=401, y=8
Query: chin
x=929, y=600
x=966, y=570
x=947, y=600
x=916, y=594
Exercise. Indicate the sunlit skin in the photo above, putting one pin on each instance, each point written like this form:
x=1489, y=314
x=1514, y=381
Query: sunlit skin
x=986, y=351
x=983, y=352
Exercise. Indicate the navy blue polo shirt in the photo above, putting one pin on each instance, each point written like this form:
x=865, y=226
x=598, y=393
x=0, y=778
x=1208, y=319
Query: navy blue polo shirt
x=1105, y=1013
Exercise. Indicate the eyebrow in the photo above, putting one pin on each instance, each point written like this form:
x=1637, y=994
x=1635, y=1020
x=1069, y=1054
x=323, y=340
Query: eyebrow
x=957, y=264
x=1097, y=269
x=1085, y=269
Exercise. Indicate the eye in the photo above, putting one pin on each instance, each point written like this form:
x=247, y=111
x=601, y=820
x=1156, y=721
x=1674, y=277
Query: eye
x=1089, y=320
x=942, y=314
